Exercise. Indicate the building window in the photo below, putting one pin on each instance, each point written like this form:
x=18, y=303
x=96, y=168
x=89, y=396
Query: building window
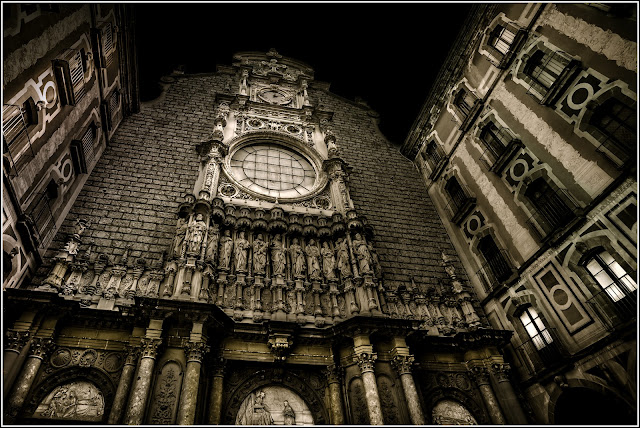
x=30, y=112
x=496, y=267
x=501, y=39
x=610, y=276
x=106, y=38
x=535, y=328
x=550, y=209
x=69, y=73
x=432, y=155
x=464, y=102
x=494, y=139
x=82, y=150
x=547, y=72
x=615, y=127
x=456, y=193
x=41, y=212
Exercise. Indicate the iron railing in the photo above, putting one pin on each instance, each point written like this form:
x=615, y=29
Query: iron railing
x=495, y=271
x=555, y=211
x=542, y=352
x=615, y=305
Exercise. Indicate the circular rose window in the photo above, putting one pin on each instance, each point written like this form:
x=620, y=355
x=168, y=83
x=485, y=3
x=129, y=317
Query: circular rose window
x=273, y=171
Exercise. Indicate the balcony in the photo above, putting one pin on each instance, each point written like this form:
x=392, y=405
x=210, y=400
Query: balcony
x=497, y=158
x=495, y=271
x=542, y=353
x=551, y=214
x=616, y=305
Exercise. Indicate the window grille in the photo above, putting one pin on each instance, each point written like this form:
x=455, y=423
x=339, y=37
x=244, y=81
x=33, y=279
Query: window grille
x=496, y=267
x=610, y=276
x=615, y=127
x=87, y=144
x=494, y=139
x=42, y=217
x=544, y=68
x=535, y=328
x=456, y=192
x=432, y=155
x=551, y=211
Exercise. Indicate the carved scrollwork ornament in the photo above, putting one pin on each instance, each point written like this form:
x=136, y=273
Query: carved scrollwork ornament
x=365, y=361
x=403, y=363
x=15, y=340
x=196, y=351
x=41, y=347
x=480, y=375
x=501, y=371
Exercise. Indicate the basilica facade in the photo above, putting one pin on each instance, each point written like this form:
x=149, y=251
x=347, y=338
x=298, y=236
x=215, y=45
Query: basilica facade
x=249, y=249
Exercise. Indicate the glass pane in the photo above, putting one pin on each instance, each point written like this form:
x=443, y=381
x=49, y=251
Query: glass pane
x=538, y=342
x=629, y=283
x=525, y=318
x=531, y=330
x=546, y=336
x=540, y=325
x=614, y=292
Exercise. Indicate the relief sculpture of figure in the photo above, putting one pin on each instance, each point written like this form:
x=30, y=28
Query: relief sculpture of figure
x=313, y=255
x=226, y=245
x=259, y=254
x=362, y=253
x=343, y=258
x=277, y=256
x=178, y=240
x=241, y=247
x=261, y=415
x=328, y=261
x=289, y=414
x=377, y=270
x=212, y=244
x=196, y=235
x=297, y=258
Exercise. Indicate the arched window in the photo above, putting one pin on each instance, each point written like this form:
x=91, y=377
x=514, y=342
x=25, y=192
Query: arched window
x=535, y=328
x=610, y=276
x=615, y=121
x=550, y=209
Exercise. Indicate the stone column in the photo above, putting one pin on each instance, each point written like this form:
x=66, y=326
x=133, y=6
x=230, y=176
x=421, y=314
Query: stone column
x=40, y=348
x=140, y=390
x=335, y=394
x=189, y=396
x=366, y=361
x=14, y=342
x=481, y=376
x=506, y=395
x=402, y=364
x=215, y=395
x=124, y=386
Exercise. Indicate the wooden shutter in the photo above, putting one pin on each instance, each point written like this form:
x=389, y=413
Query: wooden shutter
x=106, y=36
x=69, y=73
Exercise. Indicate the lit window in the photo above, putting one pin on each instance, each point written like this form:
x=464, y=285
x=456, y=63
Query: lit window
x=501, y=39
x=273, y=171
x=536, y=329
x=609, y=275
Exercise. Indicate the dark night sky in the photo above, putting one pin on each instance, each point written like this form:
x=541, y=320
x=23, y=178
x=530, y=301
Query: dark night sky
x=388, y=54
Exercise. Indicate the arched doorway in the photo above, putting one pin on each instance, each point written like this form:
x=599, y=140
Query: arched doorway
x=583, y=406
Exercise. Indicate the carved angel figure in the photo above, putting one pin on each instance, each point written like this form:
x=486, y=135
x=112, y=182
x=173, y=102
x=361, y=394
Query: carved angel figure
x=328, y=261
x=212, y=243
x=343, y=258
x=313, y=255
x=196, y=235
x=362, y=253
x=259, y=254
x=226, y=245
x=277, y=256
x=241, y=247
x=297, y=258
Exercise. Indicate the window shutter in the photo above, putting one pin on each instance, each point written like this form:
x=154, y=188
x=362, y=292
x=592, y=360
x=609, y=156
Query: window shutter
x=107, y=44
x=13, y=127
x=69, y=73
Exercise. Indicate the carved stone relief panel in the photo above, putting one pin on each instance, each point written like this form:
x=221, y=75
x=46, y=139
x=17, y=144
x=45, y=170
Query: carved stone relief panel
x=79, y=400
x=274, y=405
x=388, y=400
x=164, y=404
x=449, y=412
x=358, y=403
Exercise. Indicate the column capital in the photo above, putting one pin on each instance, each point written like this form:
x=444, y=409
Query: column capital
x=501, y=371
x=403, y=363
x=333, y=372
x=41, y=347
x=365, y=361
x=133, y=352
x=15, y=340
x=196, y=350
x=480, y=374
x=149, y=347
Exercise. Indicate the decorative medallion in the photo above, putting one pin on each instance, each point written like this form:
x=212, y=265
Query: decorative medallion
x=61, y=358
x=113, y=362
x=228, y=190
x=88, y=358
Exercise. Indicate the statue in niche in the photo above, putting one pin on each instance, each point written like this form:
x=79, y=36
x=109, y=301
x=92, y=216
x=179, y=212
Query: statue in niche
x=289, y=414
x=226, y=245
x=241, y=248
x=259, y=255
x=328, y=261
x=343, y=258
x=261, y=415
x=277, y=256
x=297, y=258
x=313, y=257
x=362, y=253
x=377, y=270
x=196, y=234
x=178, y=240
x=212, y=244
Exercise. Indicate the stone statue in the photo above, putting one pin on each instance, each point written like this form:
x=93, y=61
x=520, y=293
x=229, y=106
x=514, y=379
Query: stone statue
x=377, y=270
x=297, y=258
x=226, y=245
x=259, y=255
x=343, y=258
x=313, y=256
x=289, y=414
x=362, y=253
x=212, y=244
x=261, y=415
x=328, y=261
x=241, y=247
x=196, y=235
x=178, y=240
x=277, y=256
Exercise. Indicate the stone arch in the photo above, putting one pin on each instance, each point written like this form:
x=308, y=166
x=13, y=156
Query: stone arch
x=439, y=394
x=61, y=377
x=260, y=378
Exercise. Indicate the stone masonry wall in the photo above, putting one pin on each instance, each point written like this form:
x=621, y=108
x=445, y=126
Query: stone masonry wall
x=136, y=187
